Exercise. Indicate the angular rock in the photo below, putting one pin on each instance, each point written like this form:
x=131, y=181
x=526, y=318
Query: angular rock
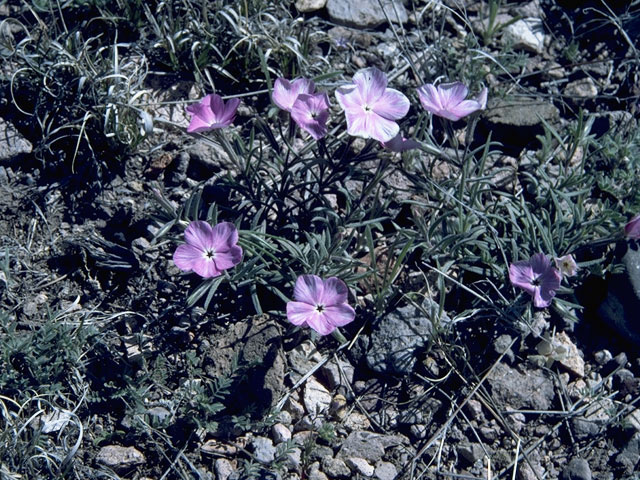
x=366, y=13
x=263, y=449
x=367, y=445
x=335, y=468
x=316, y=397
x=471, y=452
x=337, y=373
x=582, y=88
x=577, y=469
x=361, y=466
x=12, y=144
x=119, y=458
x=532, y=389
x=595, y=417
x=525, y=34
x=399, y=336
x=224, y=468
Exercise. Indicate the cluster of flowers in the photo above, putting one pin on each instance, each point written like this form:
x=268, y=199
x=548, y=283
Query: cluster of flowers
x=371, y=109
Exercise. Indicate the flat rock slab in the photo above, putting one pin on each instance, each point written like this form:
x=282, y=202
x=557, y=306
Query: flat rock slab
x=516, y=121
x=366, y=13
x=532, y=389
x=119, y=458
x=368, y=445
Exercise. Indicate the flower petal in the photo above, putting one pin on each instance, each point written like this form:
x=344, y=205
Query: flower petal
x=200, y=235
x=185, y=257
x=391, y=105
x=632, y=228
x=371, y=84
x=299, y=312
x=224, y=236
x=206, y=268
x=430, y=98
x=549, y=283
x=320, y=323
x=335, y=292
x=521, y=275
x=285, y=93
x=540, y=263
x=339, y=315
x=451, y=94
x=228, y=113
x=228, y=259
x=463, y=109
x=308, y=289
x=349, y=98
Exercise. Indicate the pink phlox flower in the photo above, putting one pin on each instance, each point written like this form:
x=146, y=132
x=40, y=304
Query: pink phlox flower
x=632, y=228
x=208, y=250
x=371, y=108
x=320, y=304
x=567, y=265
x=448, y=100
x=311, y=112
x=400, y=144
x=285, y=92
x=538, y=277
x=211, y=113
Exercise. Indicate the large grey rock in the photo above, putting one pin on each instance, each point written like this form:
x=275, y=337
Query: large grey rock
x=578, y=469
x=532, y=389
x=366, y=13
x=516, y=121
x=620, y=308
x=400, y=335
x=119, y=458
x=12, y=144
x=520, y=112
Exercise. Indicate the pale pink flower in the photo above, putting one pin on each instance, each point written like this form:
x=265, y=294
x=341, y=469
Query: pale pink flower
x=285, y=92
x=370, y=107
x=567, y=265
x=212, y=113
x=537, y=277
x=448, y=100
x=632, y=228
x=208, y=250
x=320, y=304
x=311, y=112
x=400, y=144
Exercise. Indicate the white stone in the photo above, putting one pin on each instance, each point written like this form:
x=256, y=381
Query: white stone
x=525, y=34
x=360, y=465
x=316, y=397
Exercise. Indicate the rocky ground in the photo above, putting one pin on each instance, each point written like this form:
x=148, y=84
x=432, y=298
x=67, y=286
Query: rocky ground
x=162, y=389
